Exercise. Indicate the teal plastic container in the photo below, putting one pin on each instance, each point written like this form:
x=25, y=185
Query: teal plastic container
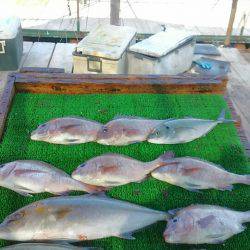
x=11, y=43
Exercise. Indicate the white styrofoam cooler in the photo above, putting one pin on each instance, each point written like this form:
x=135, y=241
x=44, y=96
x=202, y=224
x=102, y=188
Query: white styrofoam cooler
x=104, y=50
x=11, y=43
x=167, y=52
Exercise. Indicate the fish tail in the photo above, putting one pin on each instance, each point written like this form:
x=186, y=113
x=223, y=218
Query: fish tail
x=245, y=216
x=244, y=179
x=222, y=119
x=3, y=232
x=162, y=160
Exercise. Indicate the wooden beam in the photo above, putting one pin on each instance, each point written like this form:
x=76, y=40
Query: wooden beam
x=115, y=12
x=62, y=83
x=231, y=22
x=5, y=102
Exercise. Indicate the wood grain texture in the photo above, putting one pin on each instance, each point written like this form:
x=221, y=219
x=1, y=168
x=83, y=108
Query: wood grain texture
x=5, y=102
x=88, y=83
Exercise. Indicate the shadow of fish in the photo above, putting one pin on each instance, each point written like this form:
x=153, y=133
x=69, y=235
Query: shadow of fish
x=77, y=218
x=174, y=131
x=200, y=224
x=193, y=174
x=67, y=130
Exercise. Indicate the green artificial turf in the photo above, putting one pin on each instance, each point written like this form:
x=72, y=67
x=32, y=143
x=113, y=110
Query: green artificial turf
x=221, y=146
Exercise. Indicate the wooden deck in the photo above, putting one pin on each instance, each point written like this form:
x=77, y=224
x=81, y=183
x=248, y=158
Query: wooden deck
x=58, y=55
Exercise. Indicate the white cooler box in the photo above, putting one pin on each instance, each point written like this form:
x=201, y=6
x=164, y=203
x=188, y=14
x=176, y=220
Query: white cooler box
x=104, y=50
x=170, y=52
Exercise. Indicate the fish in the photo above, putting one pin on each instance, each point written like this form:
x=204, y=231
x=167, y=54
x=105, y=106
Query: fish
x=194, y=174
x=78, y=218
x=200, y=224
x=48, y=246
x=110, y=170
x=67, y=130
x=125, y=130
x=28, y=177
x=175, y=131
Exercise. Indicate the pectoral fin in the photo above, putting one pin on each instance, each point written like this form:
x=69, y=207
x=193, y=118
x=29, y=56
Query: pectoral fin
x=23, y=191
x=228, y=188
x=192, y=187
x=216, y=238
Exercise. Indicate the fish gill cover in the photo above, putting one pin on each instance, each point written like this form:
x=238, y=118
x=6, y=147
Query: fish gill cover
x=221, y=146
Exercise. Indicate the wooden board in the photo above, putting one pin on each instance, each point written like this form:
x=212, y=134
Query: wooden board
x=89, y=83
x=39, y=55
x=5, y=102
x=62, y=57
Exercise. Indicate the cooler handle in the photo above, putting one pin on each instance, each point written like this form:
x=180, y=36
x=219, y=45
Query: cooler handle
x=2, y=47
x=97, y=61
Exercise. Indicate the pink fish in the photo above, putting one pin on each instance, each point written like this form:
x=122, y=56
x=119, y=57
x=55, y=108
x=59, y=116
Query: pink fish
x=193, y=174
x=200, y=224
x=111, y=170
x=125, y=130
x=29, y=177
x=67, y=130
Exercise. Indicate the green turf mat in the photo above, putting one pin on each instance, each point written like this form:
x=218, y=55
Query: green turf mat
x=221, y=146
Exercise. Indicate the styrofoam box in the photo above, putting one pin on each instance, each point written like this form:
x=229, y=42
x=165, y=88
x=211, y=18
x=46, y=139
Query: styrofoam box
x=169, y=52
x=104, y=50
x=11, y=43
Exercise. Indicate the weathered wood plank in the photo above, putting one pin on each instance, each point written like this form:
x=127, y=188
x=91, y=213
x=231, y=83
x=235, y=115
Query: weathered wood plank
x=5, y=102
x=88, y=83
x=39, y=55
x=62, y=57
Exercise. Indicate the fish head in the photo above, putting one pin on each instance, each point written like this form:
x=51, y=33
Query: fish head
x=161, y=133
x=179, y=228
x=14, y=226
x=5, y=171
x=110, y=133
x=44, y=131
x=86, y=173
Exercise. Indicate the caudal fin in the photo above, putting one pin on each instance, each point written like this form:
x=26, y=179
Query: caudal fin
x=245, y=179
x=245, y=217
x=222, y=119
x=162, y=160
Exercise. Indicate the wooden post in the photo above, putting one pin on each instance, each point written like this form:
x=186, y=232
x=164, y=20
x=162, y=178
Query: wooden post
x=78, y=15
x=114, y=12
x=231, y=22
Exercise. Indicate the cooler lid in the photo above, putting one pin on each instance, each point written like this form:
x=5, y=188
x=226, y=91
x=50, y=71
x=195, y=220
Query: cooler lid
x=161, y=43
x=107, y=41
x=9, y=27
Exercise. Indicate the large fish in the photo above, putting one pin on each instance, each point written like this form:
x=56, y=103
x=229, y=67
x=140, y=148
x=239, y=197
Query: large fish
x=47, y=246
x=77, y=218
x=28, y=177
x=67, y=130
x=193, y=173
x=199, y=224
x=174, y=131
x=125, y=130
x=111, y=170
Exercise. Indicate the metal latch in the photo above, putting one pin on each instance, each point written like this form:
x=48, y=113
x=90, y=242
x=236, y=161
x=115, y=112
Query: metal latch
x=2, y=47
x=94, y=64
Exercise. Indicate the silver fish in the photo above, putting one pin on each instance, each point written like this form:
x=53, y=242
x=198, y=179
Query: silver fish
x=28, y=177
x=199, y=224
x=77, y=218
x=111, y=170
x=67, y=130
x=174, y=131
x=125, y=130
x=47, y=246
x=193, y=173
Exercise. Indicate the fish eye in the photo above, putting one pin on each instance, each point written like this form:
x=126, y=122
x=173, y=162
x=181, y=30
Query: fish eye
x=82, y=165
x=43, y=125
x=105, y=130
x=157, y=132
x=175, y=220
x=167, y=127
x=2, y=165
